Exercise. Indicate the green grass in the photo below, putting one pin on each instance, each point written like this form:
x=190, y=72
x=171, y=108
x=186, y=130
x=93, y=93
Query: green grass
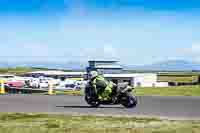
x=151, y=91
x=23, y=70
x=19, y=70
x=181, y=77
x=169, y=91
x=178, y=78
x=44, y=123
x=68, y=92
x=16, y=70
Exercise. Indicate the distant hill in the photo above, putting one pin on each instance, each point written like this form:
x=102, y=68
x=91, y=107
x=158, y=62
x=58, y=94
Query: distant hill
x=51, y=65
x=170, y=65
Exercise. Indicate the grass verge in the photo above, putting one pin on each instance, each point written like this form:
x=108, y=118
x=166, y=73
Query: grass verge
x=169, y=91
x=43, y=123
x=151, y=91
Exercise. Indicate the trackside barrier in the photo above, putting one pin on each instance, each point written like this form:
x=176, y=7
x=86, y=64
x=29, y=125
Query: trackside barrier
x=50, y=91
x=2, y=88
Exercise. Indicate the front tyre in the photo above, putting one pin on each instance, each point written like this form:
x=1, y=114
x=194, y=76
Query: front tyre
x=129, y=101
x=95, y=104
x=92, y=102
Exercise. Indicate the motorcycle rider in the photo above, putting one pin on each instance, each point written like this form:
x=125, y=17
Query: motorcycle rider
x=101, y=87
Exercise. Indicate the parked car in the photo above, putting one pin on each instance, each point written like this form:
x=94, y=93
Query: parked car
x=44, y=84
x=66, y=85
x=15, y=83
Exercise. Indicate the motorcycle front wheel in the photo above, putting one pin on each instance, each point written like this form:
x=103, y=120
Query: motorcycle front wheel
x=129, y=101
x=92, y=103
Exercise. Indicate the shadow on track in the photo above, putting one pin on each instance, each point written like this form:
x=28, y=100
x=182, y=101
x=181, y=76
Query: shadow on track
x=82, y=107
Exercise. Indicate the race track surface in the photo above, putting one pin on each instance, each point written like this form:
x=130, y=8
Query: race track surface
x=166, y=107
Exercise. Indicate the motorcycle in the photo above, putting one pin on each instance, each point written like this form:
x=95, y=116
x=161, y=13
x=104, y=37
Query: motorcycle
x=121, y=94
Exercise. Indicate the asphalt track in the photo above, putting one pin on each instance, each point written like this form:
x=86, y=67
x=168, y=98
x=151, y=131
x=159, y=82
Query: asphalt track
x=166, y=107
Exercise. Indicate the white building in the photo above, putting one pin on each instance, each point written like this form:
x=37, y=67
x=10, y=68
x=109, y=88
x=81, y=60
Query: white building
x=136, y=79
x=113, y=71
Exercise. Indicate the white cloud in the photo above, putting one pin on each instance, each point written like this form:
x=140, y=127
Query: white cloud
x=191, y=53
x=195, y=49
x=35, y=49
x=31, y=51
x=106, y=52
x=192, y=50
x=109, y=50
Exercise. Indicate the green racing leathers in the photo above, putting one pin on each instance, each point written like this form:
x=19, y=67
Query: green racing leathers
x=102, y=88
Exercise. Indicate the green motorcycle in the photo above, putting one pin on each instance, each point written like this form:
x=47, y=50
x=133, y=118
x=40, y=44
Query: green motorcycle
x=121, y=94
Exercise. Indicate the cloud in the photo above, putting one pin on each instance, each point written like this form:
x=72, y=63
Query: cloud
x=109, y=50
x=103, y=52
x=191, y=53
x=35, y=49
x=32, y=52
x=193, y=50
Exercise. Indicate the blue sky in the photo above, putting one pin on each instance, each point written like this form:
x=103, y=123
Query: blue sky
x=132, y=31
